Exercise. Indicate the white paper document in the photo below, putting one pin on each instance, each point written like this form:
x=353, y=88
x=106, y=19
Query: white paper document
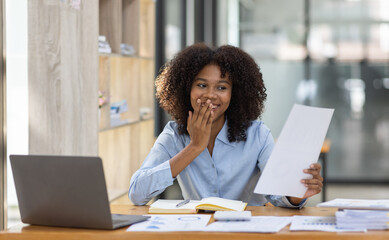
x=318, y=223
x=297, y=147
x=362, y=219
x=172, y=223
x=379, y=204
x=263, y=224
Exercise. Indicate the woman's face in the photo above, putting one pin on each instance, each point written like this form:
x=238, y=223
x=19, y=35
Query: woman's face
x=208, y=84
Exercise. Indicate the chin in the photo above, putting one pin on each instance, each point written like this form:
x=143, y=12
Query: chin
x=218, y=118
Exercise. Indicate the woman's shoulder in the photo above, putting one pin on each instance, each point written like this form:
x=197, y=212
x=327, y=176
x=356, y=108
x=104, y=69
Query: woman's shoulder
x=171, y=125
x=171, y=131
x=171, y=128
x=258, y=125
x=258, y=131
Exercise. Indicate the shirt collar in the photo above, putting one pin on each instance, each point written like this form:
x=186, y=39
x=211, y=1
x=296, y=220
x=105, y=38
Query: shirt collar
x=223, y=135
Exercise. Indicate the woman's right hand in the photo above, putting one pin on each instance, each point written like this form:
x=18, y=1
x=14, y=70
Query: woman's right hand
x=200, y=123
x=199, y=129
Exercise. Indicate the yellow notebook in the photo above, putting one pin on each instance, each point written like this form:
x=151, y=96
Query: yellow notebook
x=211, y=204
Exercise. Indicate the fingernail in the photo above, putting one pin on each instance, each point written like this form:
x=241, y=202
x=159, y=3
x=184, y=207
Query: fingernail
x=208, y=101
x=198, y=101
x=305, y=170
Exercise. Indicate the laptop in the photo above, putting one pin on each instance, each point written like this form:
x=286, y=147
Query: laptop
x=65, y=191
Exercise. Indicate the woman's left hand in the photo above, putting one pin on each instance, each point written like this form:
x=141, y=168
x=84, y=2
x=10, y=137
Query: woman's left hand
x=314, y=185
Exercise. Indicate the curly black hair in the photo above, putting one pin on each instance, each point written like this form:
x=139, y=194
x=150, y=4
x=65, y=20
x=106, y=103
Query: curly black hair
x=174, y=83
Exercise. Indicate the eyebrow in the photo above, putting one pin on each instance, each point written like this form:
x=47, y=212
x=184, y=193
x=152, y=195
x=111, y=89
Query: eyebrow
x=219, y=81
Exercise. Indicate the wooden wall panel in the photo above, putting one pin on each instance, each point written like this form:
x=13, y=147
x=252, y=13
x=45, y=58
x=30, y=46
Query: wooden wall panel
x=63, y=72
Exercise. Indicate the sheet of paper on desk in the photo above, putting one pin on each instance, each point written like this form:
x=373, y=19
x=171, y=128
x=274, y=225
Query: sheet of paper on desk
x=297, y=147
x=170, y=223
x=318, y=223
x=263, y=224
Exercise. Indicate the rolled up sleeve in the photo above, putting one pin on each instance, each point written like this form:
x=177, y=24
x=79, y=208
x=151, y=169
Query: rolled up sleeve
x=282, y=201
x=148, y=183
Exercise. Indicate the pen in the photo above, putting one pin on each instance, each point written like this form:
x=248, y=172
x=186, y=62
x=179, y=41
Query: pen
x=180, y=204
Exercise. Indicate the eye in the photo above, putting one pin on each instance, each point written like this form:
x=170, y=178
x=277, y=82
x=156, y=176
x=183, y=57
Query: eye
x=201, y=85
x=221, y=88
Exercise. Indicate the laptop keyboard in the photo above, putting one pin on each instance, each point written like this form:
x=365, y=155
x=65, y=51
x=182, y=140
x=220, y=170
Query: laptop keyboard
x=119, y=220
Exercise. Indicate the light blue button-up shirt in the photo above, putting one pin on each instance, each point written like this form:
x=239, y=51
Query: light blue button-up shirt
x=231, y=172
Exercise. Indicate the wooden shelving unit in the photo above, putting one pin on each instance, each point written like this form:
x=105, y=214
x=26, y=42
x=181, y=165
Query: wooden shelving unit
x=123, y=148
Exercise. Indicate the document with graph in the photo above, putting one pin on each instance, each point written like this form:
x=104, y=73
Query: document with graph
x=297, y=147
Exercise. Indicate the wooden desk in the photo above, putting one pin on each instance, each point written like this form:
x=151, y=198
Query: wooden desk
x=42, y=233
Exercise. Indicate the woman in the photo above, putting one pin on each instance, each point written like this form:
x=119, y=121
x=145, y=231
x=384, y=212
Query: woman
x=215, y=146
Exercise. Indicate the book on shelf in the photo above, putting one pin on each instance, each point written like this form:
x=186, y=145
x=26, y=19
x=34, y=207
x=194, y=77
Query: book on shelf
x=193, y=206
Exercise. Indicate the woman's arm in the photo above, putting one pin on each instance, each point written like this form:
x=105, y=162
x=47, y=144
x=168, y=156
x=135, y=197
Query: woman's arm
x=199, y=129
x=163, y=164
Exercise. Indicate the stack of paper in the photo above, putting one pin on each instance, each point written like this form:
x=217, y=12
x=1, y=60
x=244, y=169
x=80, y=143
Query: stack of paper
x=362, y=219
x=363, y=204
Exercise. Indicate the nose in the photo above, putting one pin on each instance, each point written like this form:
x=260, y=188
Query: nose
x=210, y=94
